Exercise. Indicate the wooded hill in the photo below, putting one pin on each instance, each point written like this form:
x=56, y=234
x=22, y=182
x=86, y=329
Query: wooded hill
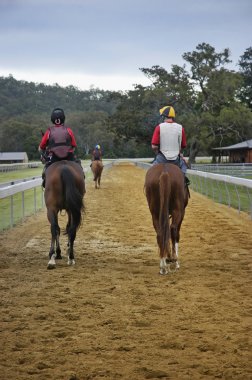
x=213, y=103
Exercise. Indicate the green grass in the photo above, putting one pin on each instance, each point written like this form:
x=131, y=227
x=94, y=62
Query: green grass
x=224, y=193
x=30, y=207
x=19, y=174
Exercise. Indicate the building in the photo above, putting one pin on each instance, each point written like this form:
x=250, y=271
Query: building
x=237, y=153
x=13, y=157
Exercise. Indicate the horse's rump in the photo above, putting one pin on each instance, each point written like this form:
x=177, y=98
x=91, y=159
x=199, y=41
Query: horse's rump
x=165, y=175
x=97, y=168
x=65, y=188
x=166, y=196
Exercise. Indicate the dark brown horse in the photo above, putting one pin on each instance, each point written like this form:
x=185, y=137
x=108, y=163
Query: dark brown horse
x=167, y=197
x=64, y=190
x=97, y=168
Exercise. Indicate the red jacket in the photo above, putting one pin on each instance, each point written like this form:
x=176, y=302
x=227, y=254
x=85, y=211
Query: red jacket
x=45, y=139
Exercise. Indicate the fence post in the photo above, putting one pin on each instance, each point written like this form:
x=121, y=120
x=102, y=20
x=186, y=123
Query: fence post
x=12, y=213
x=23, y=205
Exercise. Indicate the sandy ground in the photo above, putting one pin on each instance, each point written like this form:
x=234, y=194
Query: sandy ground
x=112, y=316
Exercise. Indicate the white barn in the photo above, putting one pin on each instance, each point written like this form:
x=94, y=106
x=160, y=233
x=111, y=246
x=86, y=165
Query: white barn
x=13, y=157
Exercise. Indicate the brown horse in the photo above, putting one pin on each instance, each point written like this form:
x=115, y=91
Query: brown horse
x=97, y=168
x=64, y=190
x=167, y=197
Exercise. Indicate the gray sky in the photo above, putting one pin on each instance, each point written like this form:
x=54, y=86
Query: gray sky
x=103, y=43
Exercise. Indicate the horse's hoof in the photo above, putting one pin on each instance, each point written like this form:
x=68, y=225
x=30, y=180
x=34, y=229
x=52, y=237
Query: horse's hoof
x=51, y=266
x=71, y=262
x=51, y=263
x=163, y=272
x=173, y=266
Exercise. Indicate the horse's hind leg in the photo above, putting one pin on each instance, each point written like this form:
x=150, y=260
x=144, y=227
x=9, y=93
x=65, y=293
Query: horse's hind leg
x=71, y=231
x=163, y=255
x=55, y=231
x=71, y=260
x=99, y=181
x=58, y=249
x=175, y=241
x=177, y=219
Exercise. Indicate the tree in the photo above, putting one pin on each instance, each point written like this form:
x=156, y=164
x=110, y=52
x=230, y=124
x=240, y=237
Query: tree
x=216, y=93
x=245, y=64
x=211, y=102
x=204, y=62
x=137, y=113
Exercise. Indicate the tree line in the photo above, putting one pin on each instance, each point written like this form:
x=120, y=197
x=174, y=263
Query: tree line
x=213, y=103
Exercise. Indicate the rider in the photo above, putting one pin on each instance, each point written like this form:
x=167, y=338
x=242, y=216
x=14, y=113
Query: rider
x=168, y=140
x=97, y=153
x=58, y=142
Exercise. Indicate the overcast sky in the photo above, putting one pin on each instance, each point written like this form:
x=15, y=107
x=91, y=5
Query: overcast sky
x=103, y=43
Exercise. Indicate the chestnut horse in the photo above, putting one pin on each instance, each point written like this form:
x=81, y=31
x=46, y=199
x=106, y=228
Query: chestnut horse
x=97, y=168
x=167, y=197
x=64, y=190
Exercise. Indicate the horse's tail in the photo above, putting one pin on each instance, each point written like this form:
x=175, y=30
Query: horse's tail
x=164, y=223
x=73, y=199
x=98, y=170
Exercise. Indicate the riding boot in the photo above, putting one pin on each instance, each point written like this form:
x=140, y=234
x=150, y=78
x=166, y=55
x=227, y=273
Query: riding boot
x=48, y=163
x=43, y=176
x=187, y=181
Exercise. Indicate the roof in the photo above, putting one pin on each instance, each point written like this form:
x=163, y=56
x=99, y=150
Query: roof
x=8, y=156
x=242, y=145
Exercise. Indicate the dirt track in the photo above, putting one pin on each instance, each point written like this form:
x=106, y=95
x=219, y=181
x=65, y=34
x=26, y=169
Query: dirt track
x=112, y=316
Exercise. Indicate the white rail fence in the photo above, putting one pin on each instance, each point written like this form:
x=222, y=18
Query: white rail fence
x=4, y=168
x=235, y=170
x=19, y=200
x=232, y=191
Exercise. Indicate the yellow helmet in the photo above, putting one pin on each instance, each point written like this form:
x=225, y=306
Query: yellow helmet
x=167, y=111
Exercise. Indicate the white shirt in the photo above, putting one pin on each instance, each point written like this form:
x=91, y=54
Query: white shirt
x=170, y=140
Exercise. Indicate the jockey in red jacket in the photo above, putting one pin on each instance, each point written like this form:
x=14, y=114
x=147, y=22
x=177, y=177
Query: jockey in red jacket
x=58, y=142
x=168, y=140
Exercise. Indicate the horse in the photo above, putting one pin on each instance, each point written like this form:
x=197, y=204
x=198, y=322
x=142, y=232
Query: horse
x=97, y=168
x=167, y=197
x=64, y=190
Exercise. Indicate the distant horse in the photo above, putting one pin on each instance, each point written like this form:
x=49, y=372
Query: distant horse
x=167, y=197
x=97, y=168
x=64, y=190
